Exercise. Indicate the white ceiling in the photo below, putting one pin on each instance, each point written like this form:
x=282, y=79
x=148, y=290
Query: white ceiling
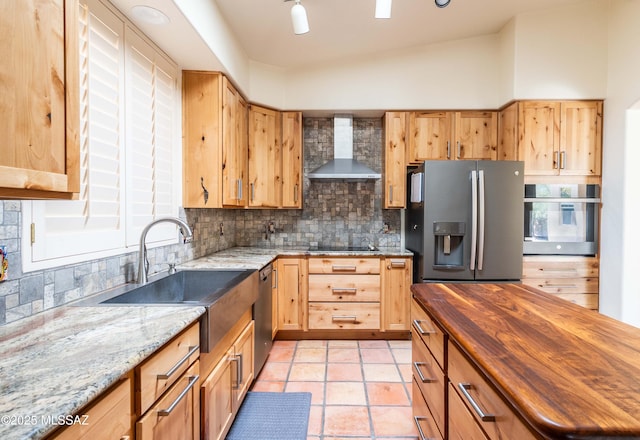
x=343, y=29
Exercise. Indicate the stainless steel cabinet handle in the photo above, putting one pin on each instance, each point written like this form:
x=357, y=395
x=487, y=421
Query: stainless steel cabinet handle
x=418, y=327
x=344, y=290
x=563, y=156
x=344, y=318
x=459, y=150
x=560, y=286
x=390, y=193
x=417, y=366
x=448, y=149
x=168, y=374
x=556, y=159
x=397, y=264
x=238, y=358
x=295, y=193
x=252, y=192
x=337, y=268
x=239, y=189
x=417, y=420
x=275, y=278
x=192, y=382
x=464, y=388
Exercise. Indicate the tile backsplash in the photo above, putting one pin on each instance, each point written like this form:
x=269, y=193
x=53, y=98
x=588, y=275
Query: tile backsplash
x=334, y=213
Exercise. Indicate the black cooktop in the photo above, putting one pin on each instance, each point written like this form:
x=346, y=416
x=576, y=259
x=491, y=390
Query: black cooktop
x=338, y=248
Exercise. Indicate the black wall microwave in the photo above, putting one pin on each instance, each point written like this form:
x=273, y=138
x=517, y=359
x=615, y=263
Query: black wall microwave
x=561, y=219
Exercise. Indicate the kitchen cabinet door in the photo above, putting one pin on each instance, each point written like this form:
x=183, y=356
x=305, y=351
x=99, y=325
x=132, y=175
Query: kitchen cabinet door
x=265, y=158
x=292, y=159
x=395, y=162
x=292, y=295
x=581, y=138
x=508, y=133
x=430, y=136
x=234, y=146
x=216, y=395
x=202, y=139
x=39, y=99
x=539, y=128
x=476, y=135
x=396, y=296
x=243, y=359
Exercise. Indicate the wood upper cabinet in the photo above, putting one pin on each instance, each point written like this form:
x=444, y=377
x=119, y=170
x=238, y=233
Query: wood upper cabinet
x=508, y=133
x=292, y=159
x=265, y=157
x=557, y=137
x=234, y=146
x=202, y=139
x=395, y=162
x=438, y=135
x=39, y=99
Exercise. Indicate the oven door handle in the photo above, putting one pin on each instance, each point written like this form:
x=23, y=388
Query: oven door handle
x=561, y=200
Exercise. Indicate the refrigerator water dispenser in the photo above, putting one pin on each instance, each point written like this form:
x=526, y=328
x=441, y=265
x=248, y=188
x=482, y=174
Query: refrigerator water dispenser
x=449, y=245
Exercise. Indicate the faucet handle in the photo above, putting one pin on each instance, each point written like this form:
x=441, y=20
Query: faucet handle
x=172, y=268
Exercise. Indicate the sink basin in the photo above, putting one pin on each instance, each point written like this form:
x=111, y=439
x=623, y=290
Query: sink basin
x=225, y=294
x=185, y=287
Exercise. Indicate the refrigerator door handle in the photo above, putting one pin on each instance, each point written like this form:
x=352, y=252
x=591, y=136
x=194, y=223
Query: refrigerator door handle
x=474, y=219
x=481, y=218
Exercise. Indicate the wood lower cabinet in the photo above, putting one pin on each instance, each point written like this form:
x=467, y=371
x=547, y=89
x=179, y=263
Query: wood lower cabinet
x=225, y=387
x=166, y=390
x=109, y=418
x=573, y=278
x=39, y=99
x=465, y=426
x=344, y=293
x=397, y=276
x=291, y=282
x=176, y=414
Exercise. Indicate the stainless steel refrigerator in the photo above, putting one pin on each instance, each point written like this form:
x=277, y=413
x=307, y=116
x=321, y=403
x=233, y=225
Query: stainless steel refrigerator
x=465, y=220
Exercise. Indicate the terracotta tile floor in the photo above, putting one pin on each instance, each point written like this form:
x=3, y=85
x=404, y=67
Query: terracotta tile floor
x=360, y=389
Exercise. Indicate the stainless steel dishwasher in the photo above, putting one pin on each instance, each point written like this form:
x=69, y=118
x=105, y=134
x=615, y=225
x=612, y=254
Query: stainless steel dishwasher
x=263, y=319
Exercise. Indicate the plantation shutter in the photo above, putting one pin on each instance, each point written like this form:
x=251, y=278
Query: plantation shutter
x=94, y=221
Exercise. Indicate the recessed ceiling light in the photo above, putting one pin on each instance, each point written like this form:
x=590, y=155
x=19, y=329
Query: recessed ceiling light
x=150, y=15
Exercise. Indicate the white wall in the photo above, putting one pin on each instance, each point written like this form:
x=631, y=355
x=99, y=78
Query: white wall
x=620, y=250
x=456, y=74
x=561, y=53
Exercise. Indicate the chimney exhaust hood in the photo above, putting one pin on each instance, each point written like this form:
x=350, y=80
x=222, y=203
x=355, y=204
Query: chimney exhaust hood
x=343, y=165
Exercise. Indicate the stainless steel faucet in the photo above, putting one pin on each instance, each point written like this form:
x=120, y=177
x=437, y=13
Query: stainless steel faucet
x=143, y=264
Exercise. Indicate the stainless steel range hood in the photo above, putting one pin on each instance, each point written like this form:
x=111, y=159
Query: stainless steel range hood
x=343, y=165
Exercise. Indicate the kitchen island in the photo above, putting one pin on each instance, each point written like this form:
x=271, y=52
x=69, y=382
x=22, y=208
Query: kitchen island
x=560, y=371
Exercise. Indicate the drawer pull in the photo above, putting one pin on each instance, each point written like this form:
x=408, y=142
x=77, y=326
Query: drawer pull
x=417, y=366
x=418, y=327
x=192, y=382
x=396, y=264
x=464, y=388
x=417, y=420
x=344, y=290
x=168, y=374
x=353, y=318
x=560, y=286
x=338, y=268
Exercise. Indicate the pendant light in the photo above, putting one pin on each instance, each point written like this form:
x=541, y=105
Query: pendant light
x=299, y=19
x=383, y=9
x=442, y=3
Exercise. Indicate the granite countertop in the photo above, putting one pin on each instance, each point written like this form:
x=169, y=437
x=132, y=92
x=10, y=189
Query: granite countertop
x=54, y=363
x=258, y=257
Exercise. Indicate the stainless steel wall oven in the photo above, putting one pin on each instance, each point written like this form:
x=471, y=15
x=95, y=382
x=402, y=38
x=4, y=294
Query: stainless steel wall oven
x=561, y=219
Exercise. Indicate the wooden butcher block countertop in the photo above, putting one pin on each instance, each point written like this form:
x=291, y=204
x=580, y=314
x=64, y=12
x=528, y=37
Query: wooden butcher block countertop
x=568, y=371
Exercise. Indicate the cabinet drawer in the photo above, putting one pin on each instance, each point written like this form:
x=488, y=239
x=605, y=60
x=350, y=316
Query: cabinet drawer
x=344, y=265
x=325, y=315
x=424, y=328
x=430, y=380
x=469, y=385
x=109, y=418
x=564, y=285
x=350, y=288
x=162, y=369
x=559, y=267
x=463, y=425
x=177, y=413
x=422, y=417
